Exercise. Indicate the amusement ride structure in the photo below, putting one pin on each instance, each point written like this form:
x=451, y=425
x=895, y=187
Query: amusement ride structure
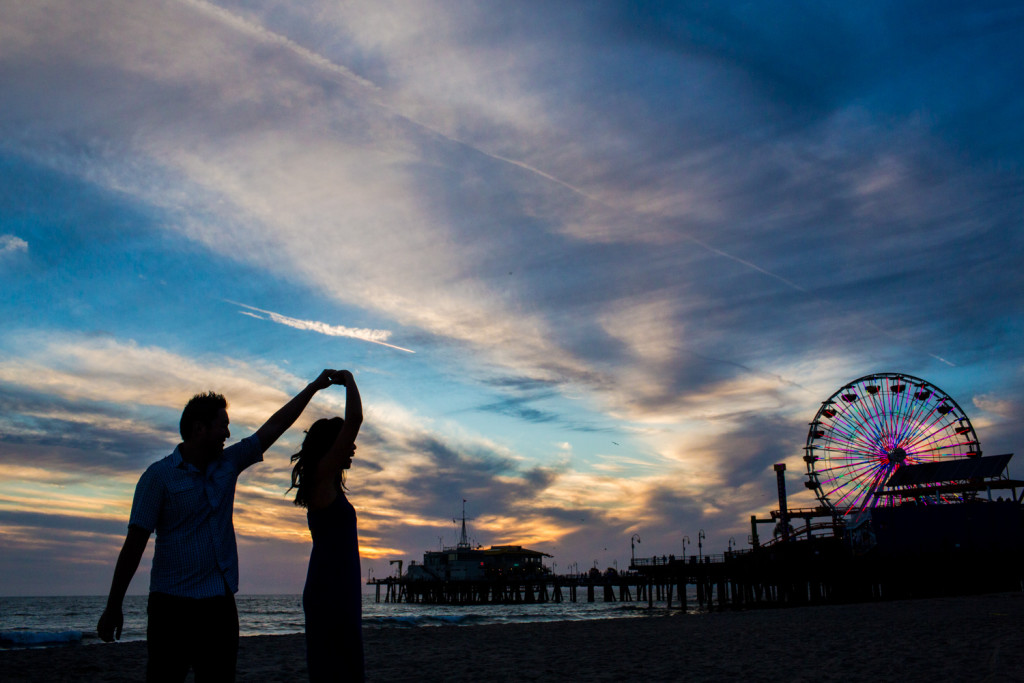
x=888, y=440
x=873, y=426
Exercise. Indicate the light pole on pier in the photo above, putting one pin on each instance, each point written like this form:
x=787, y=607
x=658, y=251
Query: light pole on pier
x=700, y=545
x=632, y=547
x=686, y=539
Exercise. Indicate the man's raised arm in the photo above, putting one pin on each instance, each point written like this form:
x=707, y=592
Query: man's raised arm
x=280, y=421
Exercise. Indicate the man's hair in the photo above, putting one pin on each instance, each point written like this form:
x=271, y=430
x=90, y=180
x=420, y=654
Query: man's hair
x=201, y=408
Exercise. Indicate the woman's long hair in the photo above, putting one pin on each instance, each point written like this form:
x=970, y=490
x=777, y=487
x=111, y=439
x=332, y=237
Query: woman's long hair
x=319, y=439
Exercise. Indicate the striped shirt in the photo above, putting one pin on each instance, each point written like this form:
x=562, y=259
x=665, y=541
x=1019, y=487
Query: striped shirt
x=190, y=511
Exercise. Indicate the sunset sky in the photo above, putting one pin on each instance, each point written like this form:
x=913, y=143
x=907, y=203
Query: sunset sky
x=595, y=265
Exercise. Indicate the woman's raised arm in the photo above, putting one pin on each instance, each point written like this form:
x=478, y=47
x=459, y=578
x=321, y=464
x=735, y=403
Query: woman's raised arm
x=342, y=447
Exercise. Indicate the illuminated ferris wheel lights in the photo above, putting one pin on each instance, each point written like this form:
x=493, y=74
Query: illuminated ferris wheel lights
x=851, y=453
x=852, y=471
x=877, y=424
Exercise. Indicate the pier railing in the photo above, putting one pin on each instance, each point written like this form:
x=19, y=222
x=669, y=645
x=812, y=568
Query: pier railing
x=667, y=560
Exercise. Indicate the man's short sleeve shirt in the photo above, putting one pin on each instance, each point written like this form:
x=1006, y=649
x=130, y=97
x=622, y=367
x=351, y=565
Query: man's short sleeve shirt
x=191, y=513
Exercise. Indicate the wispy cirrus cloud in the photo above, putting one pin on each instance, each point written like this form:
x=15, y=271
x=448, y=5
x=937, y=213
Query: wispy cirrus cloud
x=241, y=25
x=365, y=334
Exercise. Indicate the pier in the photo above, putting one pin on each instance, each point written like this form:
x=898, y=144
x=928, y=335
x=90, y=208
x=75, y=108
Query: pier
x=820, y=571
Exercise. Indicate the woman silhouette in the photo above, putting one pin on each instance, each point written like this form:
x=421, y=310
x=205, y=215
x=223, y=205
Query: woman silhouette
x=332, y=597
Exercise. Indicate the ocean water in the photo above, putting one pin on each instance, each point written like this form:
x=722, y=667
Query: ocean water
x=62, y=621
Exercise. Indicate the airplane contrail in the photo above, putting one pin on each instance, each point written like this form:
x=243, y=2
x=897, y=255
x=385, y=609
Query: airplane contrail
x=364, y=334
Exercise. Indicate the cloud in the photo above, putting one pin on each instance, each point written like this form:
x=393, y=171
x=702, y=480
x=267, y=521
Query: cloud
x=686, y=224
x=241, y=25
x=520, y=409
x=372, y=336
x=62, y=522
x=676, y=227
x=11, y=244
x=1002, y=407
x=95, y=370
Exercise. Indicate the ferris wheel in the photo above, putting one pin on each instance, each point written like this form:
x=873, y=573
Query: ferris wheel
x=873, y=426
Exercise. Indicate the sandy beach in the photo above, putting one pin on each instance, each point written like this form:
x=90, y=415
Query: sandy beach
x=978, y=638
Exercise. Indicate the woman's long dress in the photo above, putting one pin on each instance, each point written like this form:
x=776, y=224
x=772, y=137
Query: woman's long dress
x=332, y=598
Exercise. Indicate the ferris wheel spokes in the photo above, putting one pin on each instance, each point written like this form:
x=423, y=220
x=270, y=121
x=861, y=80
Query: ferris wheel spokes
x=874, y=425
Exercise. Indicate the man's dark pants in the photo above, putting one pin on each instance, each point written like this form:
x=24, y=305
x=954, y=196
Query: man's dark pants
x=187, y=633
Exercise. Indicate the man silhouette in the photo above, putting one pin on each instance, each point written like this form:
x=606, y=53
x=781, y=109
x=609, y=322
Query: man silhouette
x=187, y=498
